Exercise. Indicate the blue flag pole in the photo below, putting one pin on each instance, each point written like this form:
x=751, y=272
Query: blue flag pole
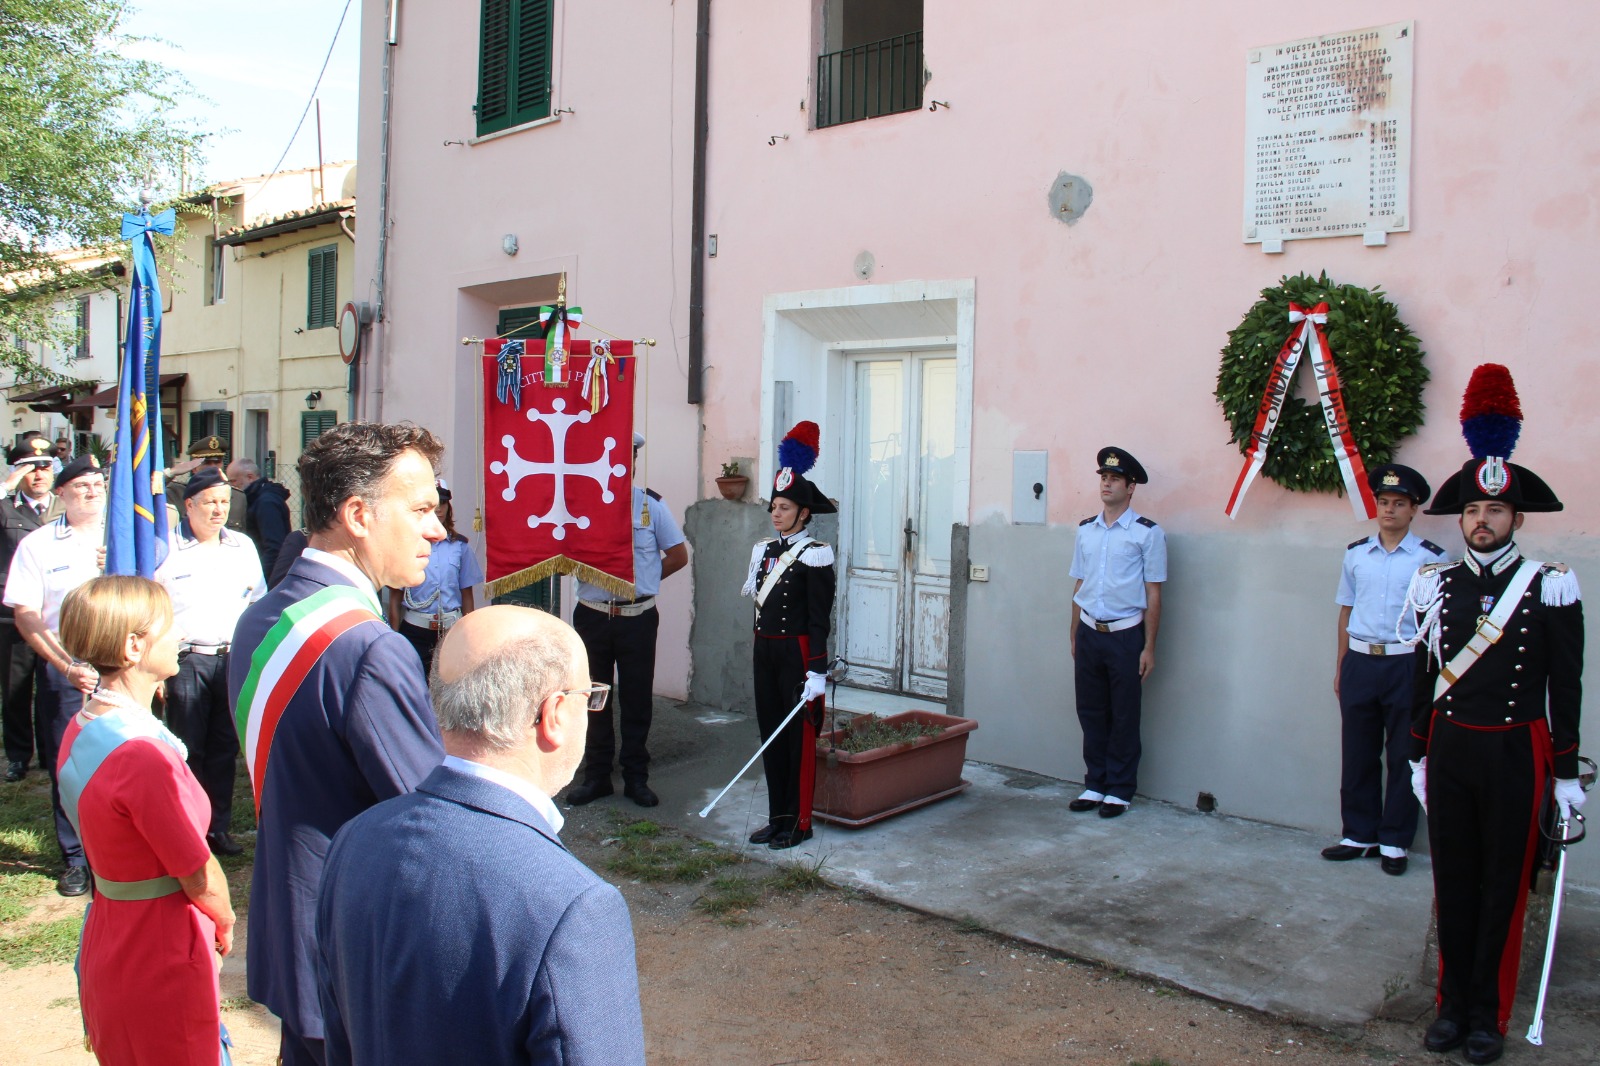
x=136, y=514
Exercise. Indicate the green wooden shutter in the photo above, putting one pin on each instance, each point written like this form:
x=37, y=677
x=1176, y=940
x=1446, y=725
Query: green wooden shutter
x=494, y=70
x=322, y=287
x=197, y=427
x=224, y=429
x=314, y=424
x=514, y=63
x=532, y=98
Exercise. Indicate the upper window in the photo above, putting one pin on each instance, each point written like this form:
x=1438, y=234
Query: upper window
x=81, y=347
x=322, y=302
x=513, y=63
x=871, y=61
x=214, y=261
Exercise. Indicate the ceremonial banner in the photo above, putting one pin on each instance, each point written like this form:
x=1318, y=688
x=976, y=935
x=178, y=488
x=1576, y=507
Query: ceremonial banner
x=1307, y=336
x=558, y=466
x=136, y=513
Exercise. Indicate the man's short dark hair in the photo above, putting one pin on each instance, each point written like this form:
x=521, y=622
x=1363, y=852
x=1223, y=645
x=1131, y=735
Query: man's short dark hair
x=351, y=459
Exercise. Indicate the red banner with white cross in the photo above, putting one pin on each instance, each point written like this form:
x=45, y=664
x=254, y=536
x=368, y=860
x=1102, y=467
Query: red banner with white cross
x=558, y=466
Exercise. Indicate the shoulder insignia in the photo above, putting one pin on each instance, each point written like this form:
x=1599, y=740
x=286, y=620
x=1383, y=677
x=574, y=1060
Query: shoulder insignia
x=1146, y=522
x=1558, y=585
x=1086, y=521
x=1434, y=548
x=1357, y=543
x=818, y=553
x=653, y=494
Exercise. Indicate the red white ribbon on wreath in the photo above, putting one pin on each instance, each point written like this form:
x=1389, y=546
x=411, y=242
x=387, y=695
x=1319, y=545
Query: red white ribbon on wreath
x=1308, y=336
x=596, y=385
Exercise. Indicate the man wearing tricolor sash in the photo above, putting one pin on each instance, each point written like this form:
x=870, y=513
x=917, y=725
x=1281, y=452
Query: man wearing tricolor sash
x=331, y=704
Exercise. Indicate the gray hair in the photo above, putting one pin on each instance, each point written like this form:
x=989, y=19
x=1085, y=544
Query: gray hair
x=496, y=701
x=247, y=468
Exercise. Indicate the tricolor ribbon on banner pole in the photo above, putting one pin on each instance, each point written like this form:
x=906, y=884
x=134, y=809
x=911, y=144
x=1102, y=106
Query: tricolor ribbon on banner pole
x=554, y=321
x=1306, y=335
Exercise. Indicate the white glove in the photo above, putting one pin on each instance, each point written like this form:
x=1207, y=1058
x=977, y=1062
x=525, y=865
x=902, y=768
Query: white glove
x=1569, y=796
x=1419, y=781
x=817, y=685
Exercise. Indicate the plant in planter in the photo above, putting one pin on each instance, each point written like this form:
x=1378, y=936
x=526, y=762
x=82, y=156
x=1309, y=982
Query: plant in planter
x=873, y=768
x=732, y=483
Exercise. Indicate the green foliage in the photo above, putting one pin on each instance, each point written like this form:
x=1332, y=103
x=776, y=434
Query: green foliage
x=83, y=130
x=1379, y=361
x=647, y=853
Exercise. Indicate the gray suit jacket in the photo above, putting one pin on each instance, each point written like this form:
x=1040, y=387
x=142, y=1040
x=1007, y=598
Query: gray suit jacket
x=452, y=926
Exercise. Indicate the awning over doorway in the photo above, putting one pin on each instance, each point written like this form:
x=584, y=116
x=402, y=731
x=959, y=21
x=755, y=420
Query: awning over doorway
x=108, y=397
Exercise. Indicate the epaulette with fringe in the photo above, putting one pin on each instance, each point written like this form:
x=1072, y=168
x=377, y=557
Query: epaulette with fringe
x=817, y=553
x=1423, y=596
x=1558, y=585
x=756, y=553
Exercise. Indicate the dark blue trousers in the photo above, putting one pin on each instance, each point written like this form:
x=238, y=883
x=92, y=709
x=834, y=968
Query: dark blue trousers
x=1375, y=804
x=198, y=712
x=64, y=701
x=1106, y=677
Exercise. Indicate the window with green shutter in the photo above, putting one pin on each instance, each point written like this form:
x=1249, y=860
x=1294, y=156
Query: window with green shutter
x=322, y=299
x=314, y=424
x=514, y=63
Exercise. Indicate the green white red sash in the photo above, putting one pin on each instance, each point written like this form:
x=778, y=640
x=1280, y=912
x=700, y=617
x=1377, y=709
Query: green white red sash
x=291, y=648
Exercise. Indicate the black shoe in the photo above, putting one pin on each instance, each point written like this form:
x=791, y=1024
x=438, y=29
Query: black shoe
x=589, y=791
x=1344, y=853
x=1443, y=1035
x=1394, y=867
x=1079, y=806
x=791, y=838
x=223, y=844
x=639, y=792
x=764, y=834
x=74, y=881
x=1112, y=810
x=16, y=771
x=1484, y=1045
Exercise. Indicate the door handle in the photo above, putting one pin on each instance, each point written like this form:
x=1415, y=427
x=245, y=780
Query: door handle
x=910, y=533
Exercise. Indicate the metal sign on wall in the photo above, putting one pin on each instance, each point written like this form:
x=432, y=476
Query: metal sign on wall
x=1328, y=137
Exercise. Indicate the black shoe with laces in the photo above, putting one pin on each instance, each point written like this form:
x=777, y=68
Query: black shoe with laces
x=74, y=881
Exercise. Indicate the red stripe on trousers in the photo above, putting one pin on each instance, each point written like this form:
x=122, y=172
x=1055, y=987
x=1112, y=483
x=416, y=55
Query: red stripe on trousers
x=808, y=746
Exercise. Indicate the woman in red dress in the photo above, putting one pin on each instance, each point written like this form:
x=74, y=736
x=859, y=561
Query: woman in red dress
x=161, y=917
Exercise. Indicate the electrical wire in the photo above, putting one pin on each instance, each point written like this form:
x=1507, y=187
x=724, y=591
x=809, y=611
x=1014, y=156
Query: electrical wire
x=315, y=86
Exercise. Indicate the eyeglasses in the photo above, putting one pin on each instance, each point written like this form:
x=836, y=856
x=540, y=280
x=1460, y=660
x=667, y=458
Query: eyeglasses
x=596, y=693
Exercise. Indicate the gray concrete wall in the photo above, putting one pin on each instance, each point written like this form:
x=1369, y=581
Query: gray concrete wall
x=721, y=534
x=1241, y=704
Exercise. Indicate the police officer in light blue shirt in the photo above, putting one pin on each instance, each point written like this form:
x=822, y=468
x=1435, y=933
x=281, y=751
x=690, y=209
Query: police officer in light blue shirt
x=1120, y=561
x=1373, y=675
x=620, y=636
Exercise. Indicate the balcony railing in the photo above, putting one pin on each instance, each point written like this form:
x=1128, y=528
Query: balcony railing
x=881, y=78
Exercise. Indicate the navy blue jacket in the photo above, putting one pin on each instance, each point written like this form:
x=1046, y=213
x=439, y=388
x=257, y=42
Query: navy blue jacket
x=358, y=730
x=454, y=927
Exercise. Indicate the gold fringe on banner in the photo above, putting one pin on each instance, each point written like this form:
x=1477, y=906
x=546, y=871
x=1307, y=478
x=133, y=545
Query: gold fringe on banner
x=560, y=564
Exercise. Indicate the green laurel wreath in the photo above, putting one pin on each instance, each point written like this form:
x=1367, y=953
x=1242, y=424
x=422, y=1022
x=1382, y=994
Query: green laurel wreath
x=1380, y=369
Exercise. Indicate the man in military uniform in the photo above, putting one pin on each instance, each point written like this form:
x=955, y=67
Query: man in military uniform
x=212, y=574
x=792, y=579
x=1119, y=561
x=49, y=563
x=1373, y=675
x=207, y=453
x=1492, y=726
x=28, y=504
x=620, y=637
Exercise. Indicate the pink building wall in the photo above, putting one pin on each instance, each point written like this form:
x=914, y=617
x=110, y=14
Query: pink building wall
x=602, y=194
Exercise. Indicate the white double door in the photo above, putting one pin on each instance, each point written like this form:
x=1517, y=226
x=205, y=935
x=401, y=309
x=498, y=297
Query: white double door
x=897, y=520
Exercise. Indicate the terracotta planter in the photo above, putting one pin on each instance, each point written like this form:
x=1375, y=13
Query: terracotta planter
x=732, y=488
x=862, y=788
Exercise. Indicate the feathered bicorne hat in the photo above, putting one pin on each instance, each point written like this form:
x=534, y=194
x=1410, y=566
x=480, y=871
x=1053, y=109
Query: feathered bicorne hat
x=1491, y=422
x=797, y=454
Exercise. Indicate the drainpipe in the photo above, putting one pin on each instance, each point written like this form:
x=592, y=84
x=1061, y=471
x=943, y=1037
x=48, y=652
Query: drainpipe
x=380, y=328
x=697, y=225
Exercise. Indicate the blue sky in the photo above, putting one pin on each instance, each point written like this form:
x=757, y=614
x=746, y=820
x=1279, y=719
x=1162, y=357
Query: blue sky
x=254, y=65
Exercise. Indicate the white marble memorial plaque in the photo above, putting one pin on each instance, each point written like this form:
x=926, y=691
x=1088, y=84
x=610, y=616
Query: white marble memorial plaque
x=1328, y=136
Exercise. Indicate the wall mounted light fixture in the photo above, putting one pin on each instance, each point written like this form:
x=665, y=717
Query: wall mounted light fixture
x=312, y=399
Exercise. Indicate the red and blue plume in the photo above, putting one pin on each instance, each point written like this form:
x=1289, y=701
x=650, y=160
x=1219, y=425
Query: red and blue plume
x=1491, y=414
x=798, y=449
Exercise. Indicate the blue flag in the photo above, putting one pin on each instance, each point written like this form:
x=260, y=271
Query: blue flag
x=136, y=516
